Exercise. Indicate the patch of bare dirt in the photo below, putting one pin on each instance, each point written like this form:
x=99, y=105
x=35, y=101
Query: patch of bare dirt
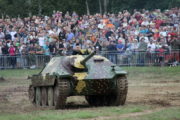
x=16, y=89
x=162, y=94
x=3, y=98
x=160, y=102
x=2, y=79
x=168, y=81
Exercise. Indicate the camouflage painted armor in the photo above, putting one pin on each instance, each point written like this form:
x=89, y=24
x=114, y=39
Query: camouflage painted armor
x=93, y=76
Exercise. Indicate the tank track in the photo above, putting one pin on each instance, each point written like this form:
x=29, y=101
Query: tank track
x=62, y=93
x=48, y=96
x=122, y=89
x=115, y=99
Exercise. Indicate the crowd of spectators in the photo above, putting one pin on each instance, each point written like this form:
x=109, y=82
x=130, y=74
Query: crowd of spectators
x=62, y=33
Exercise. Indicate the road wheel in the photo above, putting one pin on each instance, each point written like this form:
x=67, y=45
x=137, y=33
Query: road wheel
x=44, y=97
x=50, y=96
x=38, y=96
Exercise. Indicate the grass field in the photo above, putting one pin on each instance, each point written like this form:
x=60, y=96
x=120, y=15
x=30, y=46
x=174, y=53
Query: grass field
x=154, y=94
x=75, y=114
x=154, y=72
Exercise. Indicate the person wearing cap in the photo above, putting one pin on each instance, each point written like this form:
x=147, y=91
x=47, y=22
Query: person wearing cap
x=120, y=46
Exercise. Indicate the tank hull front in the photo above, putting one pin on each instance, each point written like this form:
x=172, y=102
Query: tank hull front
x=94, y=87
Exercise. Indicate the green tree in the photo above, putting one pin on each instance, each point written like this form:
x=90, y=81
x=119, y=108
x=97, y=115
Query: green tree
x=24, y=8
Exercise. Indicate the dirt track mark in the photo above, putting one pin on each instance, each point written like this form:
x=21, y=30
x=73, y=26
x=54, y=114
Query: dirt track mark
x=136, y=114
x=173, y=81
x=3, y=97
x=15, y=89
x=16, y=92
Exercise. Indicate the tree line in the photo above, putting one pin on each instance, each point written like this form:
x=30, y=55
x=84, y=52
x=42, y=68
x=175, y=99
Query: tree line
x=24, y=8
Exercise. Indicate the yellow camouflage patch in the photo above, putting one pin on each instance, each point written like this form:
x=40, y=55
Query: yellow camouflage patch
x=80, y=76
x=100, y=57
x=81, y=84
x=77, y=62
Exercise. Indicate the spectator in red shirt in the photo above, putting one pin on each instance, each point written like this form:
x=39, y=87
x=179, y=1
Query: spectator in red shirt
x=158, y=22
x=12, y=50
x=12, y=53
x=161, y=54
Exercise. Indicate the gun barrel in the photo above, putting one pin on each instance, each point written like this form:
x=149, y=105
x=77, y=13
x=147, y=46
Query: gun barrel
x=88, y=57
